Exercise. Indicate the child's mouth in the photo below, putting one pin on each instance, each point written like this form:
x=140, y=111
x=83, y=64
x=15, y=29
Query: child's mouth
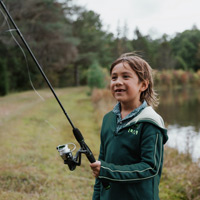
x=120, y=90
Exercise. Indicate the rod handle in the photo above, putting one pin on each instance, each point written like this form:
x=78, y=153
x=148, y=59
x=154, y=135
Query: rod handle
x=89, y=154
x=78, y=135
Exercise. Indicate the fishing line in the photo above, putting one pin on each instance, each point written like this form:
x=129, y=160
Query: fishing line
x=23, y=52
x=53, y=127
x=4, y=22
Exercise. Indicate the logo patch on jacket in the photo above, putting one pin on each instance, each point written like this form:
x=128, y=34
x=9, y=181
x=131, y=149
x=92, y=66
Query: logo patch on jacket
x=133, y=131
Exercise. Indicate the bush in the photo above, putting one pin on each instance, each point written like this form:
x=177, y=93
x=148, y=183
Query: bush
x=96, y=76
x=173, y=78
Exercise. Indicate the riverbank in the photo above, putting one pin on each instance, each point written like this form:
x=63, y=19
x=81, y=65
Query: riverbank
x=176, y=78
x=180, y=178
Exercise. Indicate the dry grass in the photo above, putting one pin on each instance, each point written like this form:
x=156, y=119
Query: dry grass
x=181, y=176
x=103, y=101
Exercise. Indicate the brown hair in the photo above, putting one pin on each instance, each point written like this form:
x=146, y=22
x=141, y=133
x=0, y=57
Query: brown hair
x=143, y=71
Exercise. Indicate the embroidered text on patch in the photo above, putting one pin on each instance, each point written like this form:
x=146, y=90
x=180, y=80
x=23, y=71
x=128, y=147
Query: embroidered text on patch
x=134, y=132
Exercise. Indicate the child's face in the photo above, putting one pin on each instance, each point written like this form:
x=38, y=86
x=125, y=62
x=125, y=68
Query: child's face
x=125, y=85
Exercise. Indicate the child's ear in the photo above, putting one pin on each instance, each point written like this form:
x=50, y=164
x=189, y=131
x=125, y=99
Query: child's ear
x=144, y=86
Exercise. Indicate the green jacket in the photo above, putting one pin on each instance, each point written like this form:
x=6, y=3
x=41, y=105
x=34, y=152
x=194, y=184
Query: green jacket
x=132, y=159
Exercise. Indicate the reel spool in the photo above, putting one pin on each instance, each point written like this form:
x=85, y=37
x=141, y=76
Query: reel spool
x=67, y=156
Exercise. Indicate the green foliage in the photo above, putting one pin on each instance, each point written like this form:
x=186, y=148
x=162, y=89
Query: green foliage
x=164, y=56
x=142, y=45
x=95, y=44
x=4, y=79
x=49, y=35
x=180, y=63
x=67, y=38
x=185, y=45
x=96, y=76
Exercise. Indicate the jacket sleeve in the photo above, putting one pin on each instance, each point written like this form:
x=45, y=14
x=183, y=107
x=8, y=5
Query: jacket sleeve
x=151, y=152
x=97, y=186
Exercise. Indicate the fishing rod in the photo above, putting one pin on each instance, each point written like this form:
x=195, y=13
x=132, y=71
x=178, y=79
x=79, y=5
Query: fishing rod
x=65, y=152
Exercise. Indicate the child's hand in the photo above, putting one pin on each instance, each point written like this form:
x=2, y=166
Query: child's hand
x=96, y=168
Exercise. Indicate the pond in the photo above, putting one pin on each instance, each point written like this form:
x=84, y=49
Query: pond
x=180, y=110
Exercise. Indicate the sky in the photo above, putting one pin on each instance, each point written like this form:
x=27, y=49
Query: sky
x=154, y=17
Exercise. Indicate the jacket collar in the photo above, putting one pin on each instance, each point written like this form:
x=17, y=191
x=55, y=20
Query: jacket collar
x=148, y=114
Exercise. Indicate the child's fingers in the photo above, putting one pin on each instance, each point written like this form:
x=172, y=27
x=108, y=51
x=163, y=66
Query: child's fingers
x=95, y=164
x=95, y=173
x=96, y=168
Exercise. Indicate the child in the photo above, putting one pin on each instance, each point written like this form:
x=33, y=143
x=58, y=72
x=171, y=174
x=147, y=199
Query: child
x=132, y=136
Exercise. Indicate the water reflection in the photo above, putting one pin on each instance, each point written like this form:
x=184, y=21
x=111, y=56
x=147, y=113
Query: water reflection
x=181, y=112
x=185, y=139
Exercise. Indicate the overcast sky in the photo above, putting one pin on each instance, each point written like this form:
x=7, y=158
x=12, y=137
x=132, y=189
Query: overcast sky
x=154, y=17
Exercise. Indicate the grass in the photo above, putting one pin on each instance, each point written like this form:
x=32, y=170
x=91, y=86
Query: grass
x=30, y=166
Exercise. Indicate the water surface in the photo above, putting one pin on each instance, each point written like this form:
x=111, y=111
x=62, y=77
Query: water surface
x=180, y=110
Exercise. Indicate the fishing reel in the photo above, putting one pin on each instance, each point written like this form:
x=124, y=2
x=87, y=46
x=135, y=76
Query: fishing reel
x=67, y=156
x=73, y=161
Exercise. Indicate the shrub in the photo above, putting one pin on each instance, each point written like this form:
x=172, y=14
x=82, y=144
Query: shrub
x=96, y=76
x=173, y=78
x=166, y=78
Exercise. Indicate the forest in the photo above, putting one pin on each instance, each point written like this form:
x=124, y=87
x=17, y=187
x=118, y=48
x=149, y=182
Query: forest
x=70, y=43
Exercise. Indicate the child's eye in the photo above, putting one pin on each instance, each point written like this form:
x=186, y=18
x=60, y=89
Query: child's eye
x=126, y=76
x=113, y=78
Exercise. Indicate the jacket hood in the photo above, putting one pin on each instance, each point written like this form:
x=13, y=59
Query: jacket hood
x=148, y=114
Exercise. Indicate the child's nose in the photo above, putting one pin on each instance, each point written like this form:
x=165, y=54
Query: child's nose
x=119, y=81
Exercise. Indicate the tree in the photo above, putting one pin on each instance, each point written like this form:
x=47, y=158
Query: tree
x=4, y=81
x=122, y=43
x=94, y=43
x=142, y=45
x=198, y=57
x=164, y=57
x=185, y=47
x=49, y=34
